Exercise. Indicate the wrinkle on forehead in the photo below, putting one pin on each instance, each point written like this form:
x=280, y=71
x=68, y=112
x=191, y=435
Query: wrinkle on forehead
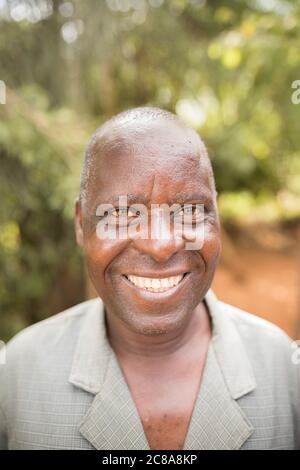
x=145, y=139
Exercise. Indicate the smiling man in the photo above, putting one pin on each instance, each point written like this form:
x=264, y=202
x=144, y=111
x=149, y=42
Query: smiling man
x=158, y=362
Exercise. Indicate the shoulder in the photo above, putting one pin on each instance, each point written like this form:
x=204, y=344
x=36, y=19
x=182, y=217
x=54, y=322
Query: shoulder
x=253, y=327
x=49, y=334
x=267, y=345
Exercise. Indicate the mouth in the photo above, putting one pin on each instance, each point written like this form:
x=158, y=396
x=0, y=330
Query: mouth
x=157, y=284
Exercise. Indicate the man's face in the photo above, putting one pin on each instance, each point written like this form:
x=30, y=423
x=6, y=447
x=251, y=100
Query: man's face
x=156, y=163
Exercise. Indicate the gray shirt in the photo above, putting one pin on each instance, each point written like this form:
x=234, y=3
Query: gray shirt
x=62, y=386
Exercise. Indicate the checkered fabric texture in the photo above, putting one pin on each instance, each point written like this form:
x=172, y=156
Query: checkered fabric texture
x=62, y=387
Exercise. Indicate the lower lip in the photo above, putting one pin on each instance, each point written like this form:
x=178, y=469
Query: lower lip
x=157, y=295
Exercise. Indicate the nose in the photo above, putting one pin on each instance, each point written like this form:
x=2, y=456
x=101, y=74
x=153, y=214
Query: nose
x=160, y=243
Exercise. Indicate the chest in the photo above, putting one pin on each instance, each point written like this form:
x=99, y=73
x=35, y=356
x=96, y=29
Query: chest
x=165, y=405
x=166, y=430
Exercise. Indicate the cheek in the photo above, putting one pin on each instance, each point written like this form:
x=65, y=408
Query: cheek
x=100, y=254
x=211, y=249
x=208, y=237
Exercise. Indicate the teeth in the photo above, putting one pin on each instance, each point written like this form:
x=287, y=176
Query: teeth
x=155, y=284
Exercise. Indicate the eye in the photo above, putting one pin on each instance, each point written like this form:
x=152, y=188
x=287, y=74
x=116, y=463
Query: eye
x=190, y=215
x=124, y=212
x=191, y=210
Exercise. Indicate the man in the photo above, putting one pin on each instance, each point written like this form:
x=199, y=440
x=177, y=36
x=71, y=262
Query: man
x=158, y=362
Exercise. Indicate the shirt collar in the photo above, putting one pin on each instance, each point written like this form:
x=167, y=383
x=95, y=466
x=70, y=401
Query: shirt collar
x=93, y=351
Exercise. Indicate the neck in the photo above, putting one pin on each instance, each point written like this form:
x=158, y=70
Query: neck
x=127, y=342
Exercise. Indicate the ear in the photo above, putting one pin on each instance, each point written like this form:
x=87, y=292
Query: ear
x=78, y=223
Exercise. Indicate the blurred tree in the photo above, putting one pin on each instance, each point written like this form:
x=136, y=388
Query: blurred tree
x=226, y=67
x=40, y=267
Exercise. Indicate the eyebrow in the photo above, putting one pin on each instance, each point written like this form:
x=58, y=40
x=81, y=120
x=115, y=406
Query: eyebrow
x=131, y=198
x=202, y=196
x=182, y=197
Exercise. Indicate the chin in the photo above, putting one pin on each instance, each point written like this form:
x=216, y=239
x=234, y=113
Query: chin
x=151, y=325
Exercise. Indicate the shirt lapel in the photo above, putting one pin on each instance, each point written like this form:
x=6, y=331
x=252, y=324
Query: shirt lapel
x=112, y=421
x=217, y=421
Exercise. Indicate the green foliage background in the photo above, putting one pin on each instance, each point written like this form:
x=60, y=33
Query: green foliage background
x=226, y=67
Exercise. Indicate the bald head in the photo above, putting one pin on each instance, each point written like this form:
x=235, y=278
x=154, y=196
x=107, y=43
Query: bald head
x=132, y=128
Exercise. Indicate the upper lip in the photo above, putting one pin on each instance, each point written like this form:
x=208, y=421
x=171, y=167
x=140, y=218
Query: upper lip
x=157, y=275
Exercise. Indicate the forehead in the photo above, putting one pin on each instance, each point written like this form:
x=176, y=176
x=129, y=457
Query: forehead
x=159, y=159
